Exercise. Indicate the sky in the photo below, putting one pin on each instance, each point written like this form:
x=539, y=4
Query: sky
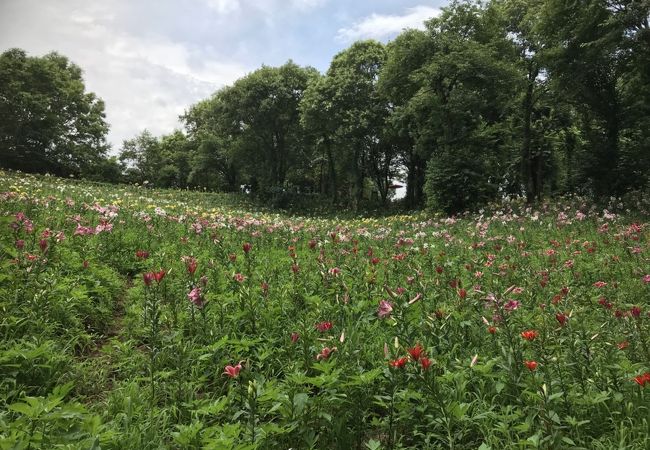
x=150, y=60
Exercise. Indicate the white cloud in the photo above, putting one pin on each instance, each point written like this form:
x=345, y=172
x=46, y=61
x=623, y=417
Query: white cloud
x=273, y=7
x=224, y=6
x=378, y=26
x=146, y=81
x=151, y=81
x=306, y=5
x=173, y=57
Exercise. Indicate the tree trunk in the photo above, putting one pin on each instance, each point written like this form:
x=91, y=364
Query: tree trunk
x=419, y=180
x=608, y=181
x=357, y=179
x=528, y=165
x=569, y=145
x=409, y=199
x=331, y=172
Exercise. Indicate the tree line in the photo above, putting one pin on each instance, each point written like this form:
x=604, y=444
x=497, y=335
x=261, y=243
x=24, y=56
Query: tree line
x=511, y=97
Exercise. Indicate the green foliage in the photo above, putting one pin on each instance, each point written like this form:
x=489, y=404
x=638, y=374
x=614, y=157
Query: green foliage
x=50, y=124
x=162, y=162
x=459, y=181
x=250, y=131
x=457, y=113
x=343, y=113
x=164, y=319
x=46, y=422
x=589, y=53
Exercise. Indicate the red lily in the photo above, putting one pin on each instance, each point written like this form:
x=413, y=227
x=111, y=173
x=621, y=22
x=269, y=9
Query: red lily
x=399, y=363
x=643, y=379
x=529, y=335
x=158, y=276
x=532, y=365
x=323, y=326
x=191, y=264
x=416, y=352
x=233, y=371
x=325, y=353
x=148, y=278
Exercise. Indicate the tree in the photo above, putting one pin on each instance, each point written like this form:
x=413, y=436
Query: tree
x=48, y=123
x=141, y=157
x=251, y=131
x=107, y=169
x=177, y=152
x=594, y=49
x=262, y=111
x=399, y=83
x=358, y=114
x=454, y=103
x=634, y=164
x=319, y=126
x=214, y=163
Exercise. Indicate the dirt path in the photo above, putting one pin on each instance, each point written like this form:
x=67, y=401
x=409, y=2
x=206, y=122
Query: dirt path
x=116, y=327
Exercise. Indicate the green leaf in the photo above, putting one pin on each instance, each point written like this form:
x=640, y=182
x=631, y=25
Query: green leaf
x=24, y=408
x=569, y=441
x=299, y=402
x=373, y=444
x=534, y=439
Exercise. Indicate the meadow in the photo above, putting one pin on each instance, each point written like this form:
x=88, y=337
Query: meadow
x=134, y=318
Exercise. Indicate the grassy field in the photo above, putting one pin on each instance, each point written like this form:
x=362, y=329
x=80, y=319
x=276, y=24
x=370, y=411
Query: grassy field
x=140, y=319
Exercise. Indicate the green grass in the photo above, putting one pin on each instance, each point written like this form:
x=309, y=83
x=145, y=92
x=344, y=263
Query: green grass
x=97, y=353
